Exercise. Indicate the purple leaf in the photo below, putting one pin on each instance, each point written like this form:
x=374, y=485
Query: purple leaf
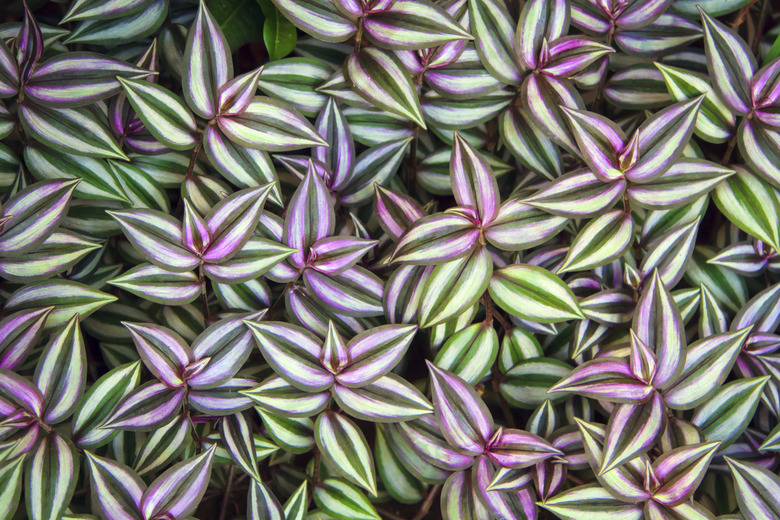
x=681, y=470
x=517, y=449
x=605, y=378
x=466, y=421
x=164, y=352
x=208, y=64
x=147, y=407
x=397, y=211
x=443, y=236
x=279, y=397
x=473, y=182
x=116, y=488
x=29, y=45
x=51, y=476
x=388, y=399
x=177, y=492
x=334, y=255
x=232, y=221
x=375, y=352
x=310, y=217
x=344, y=447
x=633, y=429
x=540, y=21
x=19, y=390
x=339, y=156
x=19, y=333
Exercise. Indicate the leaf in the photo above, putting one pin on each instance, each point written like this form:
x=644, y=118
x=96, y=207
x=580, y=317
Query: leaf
x=600, y=242
x=61, y=373
x=158, y=236
x=158, y=285
x=344, y=448
x=494, y=36
x=751, y=204
x=296, y=506
x=453, y=287
x=683, y=183
x=125, y=29
x=236, y=433
x=473, y=182
x=681, y=470
x=178, y=491
x=578, y=194
x=343, y=501
x=164, y=352
x=756, y=489
x=590, y=502
x=80, y=131
x=544, y=96
x=466, y=422
x=144, y=408
x=731, y=64
x=539, y=21
x=527, y=383
x=262, y=504
x=607, y=378
x=470, y=353
x=380, y=78
x=657, y=322
x=207, y=64
x=11, y=479
x=354, y=292
x=632, y=430
x=388, y=399
x=232, y=221
x=19, y=333
x=727, y=413
x=436, y=238
x=319, y=18
x=270, y=125
x=294, y=353
x=411, y=25
x=116, y=488
x=534, y=294
x=374, y=352
x=67, y=297
x=277, y=396
x=279, y=34
x=708, y=362
x=51, y=476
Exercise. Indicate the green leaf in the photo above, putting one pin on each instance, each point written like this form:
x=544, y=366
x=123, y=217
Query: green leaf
x=238, y=19
x=343, y=501
x=279, y=34
x=533, y=293
x=345, y=449
x=51, y=476
x=591, y=502
x=11, y=485
x=600, y=242
x=470, y=352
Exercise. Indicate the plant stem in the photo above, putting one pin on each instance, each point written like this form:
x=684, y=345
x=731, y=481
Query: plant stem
x=204, y=294
x=195, y=152
x=759, y=27
x=228, y=489
x=427, y=503
x=729, y=149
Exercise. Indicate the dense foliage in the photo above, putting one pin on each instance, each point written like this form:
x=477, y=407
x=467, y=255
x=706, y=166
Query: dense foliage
x=395, y=259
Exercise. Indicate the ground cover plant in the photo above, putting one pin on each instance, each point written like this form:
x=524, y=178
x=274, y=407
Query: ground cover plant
x=389, y=259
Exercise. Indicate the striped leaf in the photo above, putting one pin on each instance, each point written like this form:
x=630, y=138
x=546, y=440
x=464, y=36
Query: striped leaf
x=632, y=430
x=600, y=143
x=343, y=501
x=262, y=504
x=373, y=353
x=473, y=182
x=544, y=97
x=750, y=204
x=207, y=64
x=295, y=80
x=9, y=72
x=67, y=297
x=61, y=373
x=530, y=145
x=117, y=489
x=686, y=181
x=270, y=125
x=159, y=285
x=381, y=79
x=534, y=294
x=158, y=236
x=579, y=194
x=375, y=166
x=294, y=353
x=388, y=399
x=50, y=478
x=520, y=226
x=540, y=21
x=412, y=24
x=145, y=408
x=466, y=422
x=11, y=479
x=402, y=485
x=731, y=64
x=354, y=292
x=437, y=238
x=708, y=362
x=35, y=212
x=163, y=113
x=232, y=221
x=457, y=498
x=344, y=448
x=236, y=433
x=681, y=470
x=670, y=254
x=296, y=506
x=290, y=434
x=320, y=18
x=226, y=345
x=164, y=352
x=93, y=410
x=178, y=491
x=334, y=255
x=19, y=333
x=79, y=131
x=494, y=35
x=590, y=502
x=470, y=353
x=601, y=241
x=756, y=489
x=277, y=396
x=527, y=383
x=454, y=287
x=302, y=226
x=226, y=399
x=605, y=378
x=76, y=79
x=125, y=29
x=658, y=323
x=715, y=122
x=728, y=411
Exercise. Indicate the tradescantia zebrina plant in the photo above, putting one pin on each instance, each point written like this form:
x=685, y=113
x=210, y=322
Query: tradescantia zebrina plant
x=389, y=259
